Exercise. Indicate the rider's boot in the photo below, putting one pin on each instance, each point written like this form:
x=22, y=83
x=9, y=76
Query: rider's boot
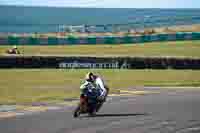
x=99, y=106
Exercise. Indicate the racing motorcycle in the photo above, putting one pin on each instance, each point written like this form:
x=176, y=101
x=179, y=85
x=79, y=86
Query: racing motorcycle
x=89, y=102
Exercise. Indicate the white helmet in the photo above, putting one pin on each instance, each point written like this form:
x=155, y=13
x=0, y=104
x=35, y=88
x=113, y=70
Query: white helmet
x=88, y=76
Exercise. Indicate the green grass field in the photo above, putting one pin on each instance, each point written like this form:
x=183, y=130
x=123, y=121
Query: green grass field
x=49, y=85
x=178, y=49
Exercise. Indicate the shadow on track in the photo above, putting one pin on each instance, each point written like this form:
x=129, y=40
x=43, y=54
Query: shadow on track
x=120, y=115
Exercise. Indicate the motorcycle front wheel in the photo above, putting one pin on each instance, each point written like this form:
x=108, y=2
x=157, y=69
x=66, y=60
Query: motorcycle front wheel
x=77, y=112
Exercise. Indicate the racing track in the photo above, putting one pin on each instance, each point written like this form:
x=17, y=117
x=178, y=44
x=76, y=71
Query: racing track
x=169, y=111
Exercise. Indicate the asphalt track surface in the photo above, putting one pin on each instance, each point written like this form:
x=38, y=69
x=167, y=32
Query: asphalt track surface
x=166, y=112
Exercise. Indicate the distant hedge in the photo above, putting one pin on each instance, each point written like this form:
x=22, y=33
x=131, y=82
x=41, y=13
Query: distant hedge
x=98, y=62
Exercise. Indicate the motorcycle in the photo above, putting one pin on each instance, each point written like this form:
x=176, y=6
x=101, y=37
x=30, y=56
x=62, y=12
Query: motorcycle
x=89, y=103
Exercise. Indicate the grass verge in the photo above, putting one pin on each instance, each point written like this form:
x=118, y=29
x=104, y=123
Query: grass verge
x=50, y=85
x=177, y=49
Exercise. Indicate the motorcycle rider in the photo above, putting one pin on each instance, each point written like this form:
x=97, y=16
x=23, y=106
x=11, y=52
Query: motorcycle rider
x=98, y=84
x=13, y=50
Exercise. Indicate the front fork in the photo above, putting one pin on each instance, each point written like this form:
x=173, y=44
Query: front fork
x=83, y=104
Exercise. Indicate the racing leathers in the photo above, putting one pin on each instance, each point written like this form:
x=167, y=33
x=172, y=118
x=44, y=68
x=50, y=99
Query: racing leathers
x=99, y=85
